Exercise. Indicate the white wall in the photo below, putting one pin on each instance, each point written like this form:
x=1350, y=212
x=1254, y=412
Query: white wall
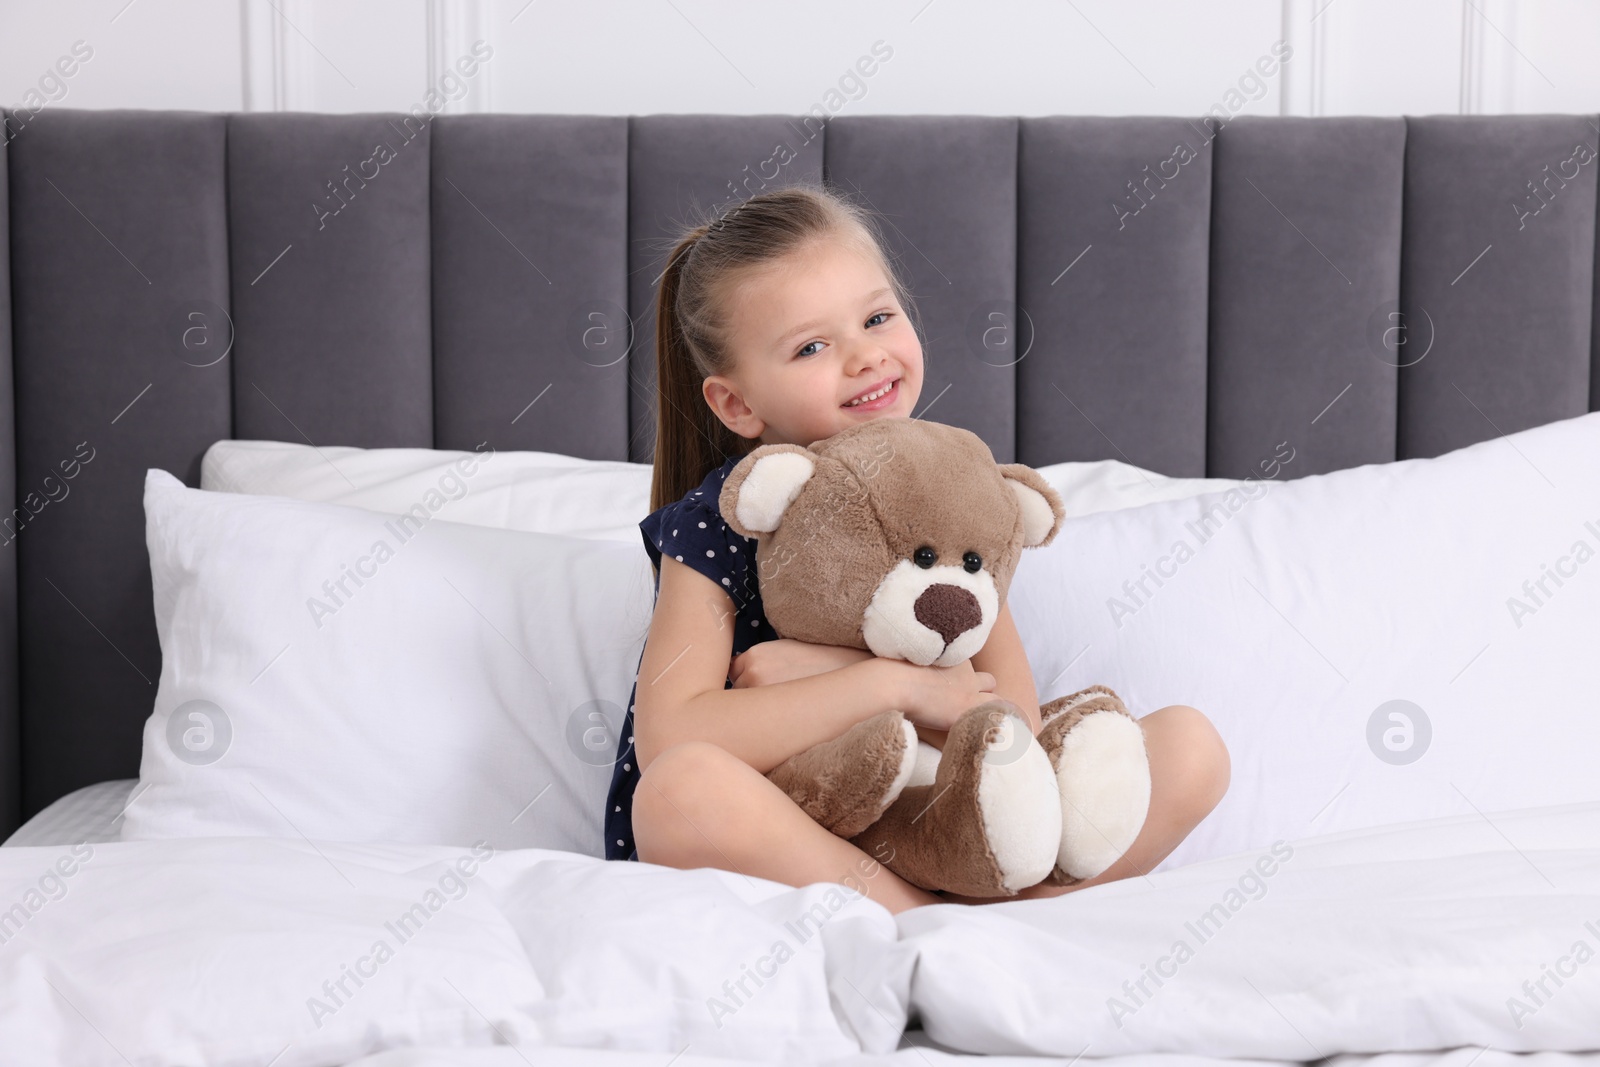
x=1004, y=57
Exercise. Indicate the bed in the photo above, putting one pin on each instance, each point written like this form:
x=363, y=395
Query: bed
x=1351, y=360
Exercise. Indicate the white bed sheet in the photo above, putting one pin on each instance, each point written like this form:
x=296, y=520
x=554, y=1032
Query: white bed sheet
x=1415, y=936
x=924, y=1055
x=1412, y=938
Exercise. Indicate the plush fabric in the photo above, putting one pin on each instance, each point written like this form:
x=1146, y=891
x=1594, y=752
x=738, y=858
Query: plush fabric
x=901, y=536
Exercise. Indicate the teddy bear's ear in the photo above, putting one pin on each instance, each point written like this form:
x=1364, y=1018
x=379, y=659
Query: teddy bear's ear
x=1042, y=510
x=761, y=487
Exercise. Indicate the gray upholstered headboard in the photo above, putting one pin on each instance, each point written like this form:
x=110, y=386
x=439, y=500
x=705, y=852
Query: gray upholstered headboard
x=1148, y=289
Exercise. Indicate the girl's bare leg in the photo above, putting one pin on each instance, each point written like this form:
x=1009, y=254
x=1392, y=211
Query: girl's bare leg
x=697, y=805
x=1189, y=773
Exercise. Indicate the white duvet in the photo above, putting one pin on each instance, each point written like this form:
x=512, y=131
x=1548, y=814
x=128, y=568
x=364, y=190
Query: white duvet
x=1478, y=930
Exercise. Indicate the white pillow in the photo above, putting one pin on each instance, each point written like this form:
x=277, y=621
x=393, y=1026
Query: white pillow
x=464, y=682
x=1090, y=487
x=535, y=491
x=554, y=493
x=1296, y=617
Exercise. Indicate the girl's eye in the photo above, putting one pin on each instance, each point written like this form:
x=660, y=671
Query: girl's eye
x=880, y=315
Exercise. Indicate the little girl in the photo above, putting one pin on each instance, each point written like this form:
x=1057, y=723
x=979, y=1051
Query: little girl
x=784, y=322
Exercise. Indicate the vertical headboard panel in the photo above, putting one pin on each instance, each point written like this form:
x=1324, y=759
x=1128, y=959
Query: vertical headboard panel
x=1499, y=265
x=1113, y=262
x=1594, y=307
x=10, y=697
x=530, y=324
x=331, y=278
x=1305, y=252
x=680, y=169
x=946, y=190
x=119, y=245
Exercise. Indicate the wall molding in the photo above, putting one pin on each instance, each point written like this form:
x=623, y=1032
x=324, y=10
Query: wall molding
x=453, y=27
x=281, y=70
x=1304, y=26
x=276, y=61
x=1488, y=61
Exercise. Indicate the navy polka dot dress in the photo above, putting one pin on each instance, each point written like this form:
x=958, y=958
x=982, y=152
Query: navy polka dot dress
x=692, y=532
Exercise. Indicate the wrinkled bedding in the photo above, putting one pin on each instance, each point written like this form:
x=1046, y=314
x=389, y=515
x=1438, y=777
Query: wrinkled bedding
x=1461, y=933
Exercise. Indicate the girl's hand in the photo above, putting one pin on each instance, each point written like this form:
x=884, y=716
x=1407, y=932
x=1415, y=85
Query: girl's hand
x=935, y=697
x=784, y=660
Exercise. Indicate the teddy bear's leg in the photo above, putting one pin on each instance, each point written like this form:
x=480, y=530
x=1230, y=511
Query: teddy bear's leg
x=846, y=783
x=988, y=825
x=1102, y=776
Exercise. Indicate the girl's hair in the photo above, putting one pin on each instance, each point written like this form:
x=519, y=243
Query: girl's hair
x=702, y=272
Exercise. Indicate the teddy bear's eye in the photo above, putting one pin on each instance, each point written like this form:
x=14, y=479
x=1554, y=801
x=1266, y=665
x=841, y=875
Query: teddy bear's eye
x=973, y=562
x=924, y=557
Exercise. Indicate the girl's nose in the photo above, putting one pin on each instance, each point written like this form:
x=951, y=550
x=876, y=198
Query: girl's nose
x=864, y=355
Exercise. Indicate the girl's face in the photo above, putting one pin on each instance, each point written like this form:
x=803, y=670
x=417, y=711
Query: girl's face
x=808, y=336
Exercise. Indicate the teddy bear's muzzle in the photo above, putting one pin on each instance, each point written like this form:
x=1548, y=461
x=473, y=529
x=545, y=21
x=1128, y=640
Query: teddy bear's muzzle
x=935, y=616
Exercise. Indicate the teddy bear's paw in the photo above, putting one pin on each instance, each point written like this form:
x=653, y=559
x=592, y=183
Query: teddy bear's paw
x=1095, y=696
x=1017, y=799
x=1103, y=780
x=988, y=824
x=847, y=783
x=910, y=757
x=925, y=768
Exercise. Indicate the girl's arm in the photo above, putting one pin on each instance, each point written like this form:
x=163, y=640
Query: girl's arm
x=771, y=662
x=681, y=694
x=1002, y=656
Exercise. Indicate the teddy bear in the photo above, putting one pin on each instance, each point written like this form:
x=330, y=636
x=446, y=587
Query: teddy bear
x=900, y=537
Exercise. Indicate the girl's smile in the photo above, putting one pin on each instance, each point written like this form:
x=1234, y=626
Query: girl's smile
x=879, y=397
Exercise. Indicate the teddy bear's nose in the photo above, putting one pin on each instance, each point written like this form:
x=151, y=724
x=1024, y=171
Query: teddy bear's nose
x=948, y=610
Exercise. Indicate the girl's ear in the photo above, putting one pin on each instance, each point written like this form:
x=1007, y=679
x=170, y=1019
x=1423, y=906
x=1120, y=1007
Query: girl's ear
x=1041, y=506
x=761, y=487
